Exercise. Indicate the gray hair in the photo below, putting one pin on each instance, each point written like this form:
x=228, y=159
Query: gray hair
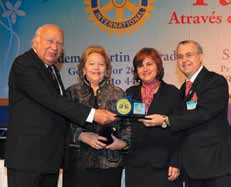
x=198, y=46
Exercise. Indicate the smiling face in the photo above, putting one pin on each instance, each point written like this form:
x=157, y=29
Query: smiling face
x=48, y=43
x=95, y=68
x=147, y=71
x=189, y=59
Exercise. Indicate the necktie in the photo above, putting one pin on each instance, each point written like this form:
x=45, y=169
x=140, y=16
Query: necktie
x=188, y=87
x=50, y=68
x=54, y=77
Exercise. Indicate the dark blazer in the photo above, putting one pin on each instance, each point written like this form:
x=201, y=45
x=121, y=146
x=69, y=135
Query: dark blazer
x=154, y=146
x=206, y=140
x=37, y=117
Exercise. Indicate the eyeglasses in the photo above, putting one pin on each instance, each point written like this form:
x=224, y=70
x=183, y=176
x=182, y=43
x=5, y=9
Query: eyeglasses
x=186, y=55
x=50, y=42
x=57, y=43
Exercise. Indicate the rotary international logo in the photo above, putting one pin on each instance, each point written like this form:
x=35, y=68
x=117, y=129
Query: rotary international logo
x=123, y=106
x=119, y=15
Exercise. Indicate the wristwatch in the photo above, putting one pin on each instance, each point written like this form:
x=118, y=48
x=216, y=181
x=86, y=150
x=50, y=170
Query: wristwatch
x=165, y=121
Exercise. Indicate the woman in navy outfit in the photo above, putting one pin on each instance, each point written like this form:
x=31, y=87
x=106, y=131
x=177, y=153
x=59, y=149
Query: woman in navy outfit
x=153, y=155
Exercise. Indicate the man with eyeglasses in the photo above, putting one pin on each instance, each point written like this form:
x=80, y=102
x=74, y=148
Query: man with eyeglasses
x=38, y=113
x=202, y=121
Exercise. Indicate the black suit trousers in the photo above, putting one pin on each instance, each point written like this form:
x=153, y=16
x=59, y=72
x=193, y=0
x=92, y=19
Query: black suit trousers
x=148, y=176
x=221, y=181
x=92, y=177
x=17, y=178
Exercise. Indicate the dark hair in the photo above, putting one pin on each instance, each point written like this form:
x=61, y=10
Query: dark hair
x=95, y=49
x=154, y=55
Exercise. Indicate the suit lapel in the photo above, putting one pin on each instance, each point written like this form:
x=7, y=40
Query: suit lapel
x=59, y=79
x=137, y=94
x=156, y=98
x=200, y=80
x=44, y=72
x=182, y=90
x=196, y=86
x=40, y=66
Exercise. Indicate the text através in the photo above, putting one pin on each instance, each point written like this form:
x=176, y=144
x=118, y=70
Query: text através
x=213, y=18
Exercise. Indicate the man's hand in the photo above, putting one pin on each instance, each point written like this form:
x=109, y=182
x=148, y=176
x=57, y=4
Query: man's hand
x=104, y=117
x=173, y=173
x=153, y=120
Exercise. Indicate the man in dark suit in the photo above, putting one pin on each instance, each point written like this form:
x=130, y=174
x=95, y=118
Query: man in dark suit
x=38, y=113
x=202, y=120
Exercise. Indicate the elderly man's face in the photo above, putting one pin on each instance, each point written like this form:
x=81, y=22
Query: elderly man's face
x=49, y=44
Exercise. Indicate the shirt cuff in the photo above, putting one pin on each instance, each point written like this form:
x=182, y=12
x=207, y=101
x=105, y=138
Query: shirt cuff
x=90, y=117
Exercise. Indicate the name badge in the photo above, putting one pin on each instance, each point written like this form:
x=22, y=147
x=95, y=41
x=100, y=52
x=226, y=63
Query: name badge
x=191, y=105
x=139, y=108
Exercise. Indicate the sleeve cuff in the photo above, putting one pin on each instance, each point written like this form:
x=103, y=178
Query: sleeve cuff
x=90, y=117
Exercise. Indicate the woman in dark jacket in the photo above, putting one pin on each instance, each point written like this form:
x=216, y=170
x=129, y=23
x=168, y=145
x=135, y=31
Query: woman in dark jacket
x=96, y=153
x=153, y=155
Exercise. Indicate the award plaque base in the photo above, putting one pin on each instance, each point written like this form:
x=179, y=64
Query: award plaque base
x=107, y=132
x=131, y=117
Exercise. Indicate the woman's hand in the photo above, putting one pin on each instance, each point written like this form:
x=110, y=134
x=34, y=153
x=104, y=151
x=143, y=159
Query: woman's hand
x=93, y=139
x=173, y=173
x=117, y=144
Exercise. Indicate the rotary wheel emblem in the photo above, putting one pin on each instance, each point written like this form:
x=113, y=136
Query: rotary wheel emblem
x=119, y=15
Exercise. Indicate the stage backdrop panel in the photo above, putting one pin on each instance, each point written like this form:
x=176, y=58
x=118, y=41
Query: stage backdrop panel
x=122, y=27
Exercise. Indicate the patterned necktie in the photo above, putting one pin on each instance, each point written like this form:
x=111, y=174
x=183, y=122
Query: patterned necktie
x=188, y=87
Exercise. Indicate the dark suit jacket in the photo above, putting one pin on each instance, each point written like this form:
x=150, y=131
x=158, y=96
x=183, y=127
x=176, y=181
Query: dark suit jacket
x=206, y=132
x=37, y=117
x=154, y=146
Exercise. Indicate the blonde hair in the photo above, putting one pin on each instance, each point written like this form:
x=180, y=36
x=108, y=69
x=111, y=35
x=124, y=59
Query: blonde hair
x=95, y=49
